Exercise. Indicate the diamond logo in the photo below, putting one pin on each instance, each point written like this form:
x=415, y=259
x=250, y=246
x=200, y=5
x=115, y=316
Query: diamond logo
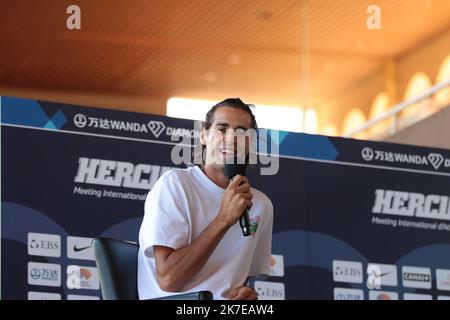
x=436, y=160
x=156, y=127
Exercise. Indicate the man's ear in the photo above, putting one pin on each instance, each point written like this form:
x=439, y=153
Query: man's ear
x=203, y=136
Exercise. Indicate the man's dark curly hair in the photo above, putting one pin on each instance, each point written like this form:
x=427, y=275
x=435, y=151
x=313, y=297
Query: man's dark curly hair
x=232, y=103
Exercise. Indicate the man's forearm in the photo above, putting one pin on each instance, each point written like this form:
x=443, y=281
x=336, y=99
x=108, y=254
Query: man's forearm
x=181, y=265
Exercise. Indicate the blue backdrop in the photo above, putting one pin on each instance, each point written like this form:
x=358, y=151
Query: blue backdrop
x=340, y=205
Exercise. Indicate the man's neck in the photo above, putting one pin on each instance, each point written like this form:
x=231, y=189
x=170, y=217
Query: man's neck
x=216, y=175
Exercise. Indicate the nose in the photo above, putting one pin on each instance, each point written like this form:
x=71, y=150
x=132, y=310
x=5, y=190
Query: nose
x=229, y=136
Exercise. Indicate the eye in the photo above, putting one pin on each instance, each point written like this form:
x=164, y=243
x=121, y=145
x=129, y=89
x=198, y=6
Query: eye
x=222, y=130
x=239, y=132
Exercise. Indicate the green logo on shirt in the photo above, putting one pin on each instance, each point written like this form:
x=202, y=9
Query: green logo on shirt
x=254, y=222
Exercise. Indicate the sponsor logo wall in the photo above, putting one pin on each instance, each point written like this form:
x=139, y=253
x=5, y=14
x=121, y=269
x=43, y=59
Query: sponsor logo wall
x=353, y=219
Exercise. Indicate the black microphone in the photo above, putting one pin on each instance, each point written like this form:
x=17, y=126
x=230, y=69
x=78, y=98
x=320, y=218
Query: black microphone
x=232, y=168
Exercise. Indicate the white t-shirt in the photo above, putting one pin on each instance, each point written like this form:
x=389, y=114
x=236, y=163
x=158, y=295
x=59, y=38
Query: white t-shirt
x=177, y=209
